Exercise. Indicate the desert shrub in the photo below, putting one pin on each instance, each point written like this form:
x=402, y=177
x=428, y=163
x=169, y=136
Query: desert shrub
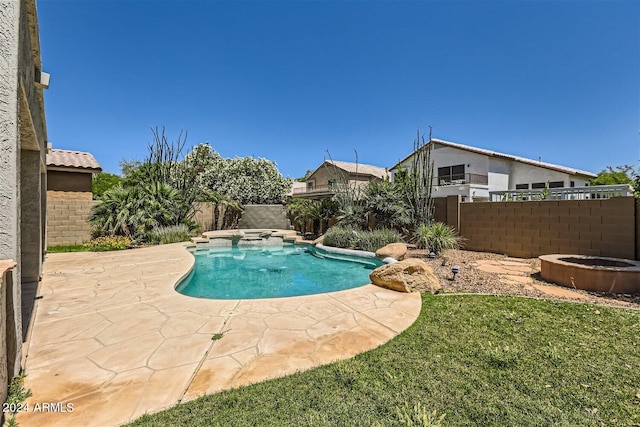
x=437, y=237
x=170, y=234
x=374, y=240
x=348, y=237
x=134, y=211
x=341, y=237
x=108, y=243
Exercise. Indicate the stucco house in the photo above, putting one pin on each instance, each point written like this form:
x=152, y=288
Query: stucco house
x=69, y=196
x=331, y=174
x=23, y=136
x=472, y=172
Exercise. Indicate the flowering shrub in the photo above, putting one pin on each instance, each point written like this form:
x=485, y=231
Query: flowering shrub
x=108, y=243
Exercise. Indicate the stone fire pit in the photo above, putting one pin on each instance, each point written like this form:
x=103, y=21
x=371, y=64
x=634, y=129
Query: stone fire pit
x=599, y=274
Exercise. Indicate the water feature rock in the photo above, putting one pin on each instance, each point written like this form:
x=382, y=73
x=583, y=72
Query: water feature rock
x=408, y=275
x=393, y=250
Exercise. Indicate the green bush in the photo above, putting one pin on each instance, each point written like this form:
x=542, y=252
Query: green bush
x=374, y=240
x=170, y=234
x=437, y=237
x=108, y=243
x=348, y=237
x=341, y=237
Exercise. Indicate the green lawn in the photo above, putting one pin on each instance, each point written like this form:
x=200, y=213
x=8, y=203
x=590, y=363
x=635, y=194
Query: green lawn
x=60, y=249
x=480, y=360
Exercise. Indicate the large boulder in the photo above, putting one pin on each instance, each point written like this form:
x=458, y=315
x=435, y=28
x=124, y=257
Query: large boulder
x=394, y=250
x=408, y=275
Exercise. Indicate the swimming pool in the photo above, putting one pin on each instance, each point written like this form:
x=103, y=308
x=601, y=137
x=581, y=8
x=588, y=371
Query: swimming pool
x=272, y=272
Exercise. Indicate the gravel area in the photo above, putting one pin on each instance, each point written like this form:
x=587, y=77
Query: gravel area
x=471, y=279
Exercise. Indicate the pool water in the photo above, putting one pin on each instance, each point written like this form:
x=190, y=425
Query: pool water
x=271, y=272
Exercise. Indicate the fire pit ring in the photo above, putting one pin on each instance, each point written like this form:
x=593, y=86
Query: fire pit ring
x=600, y=274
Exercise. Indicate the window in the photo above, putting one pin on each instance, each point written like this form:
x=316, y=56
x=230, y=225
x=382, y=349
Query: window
x=572, y=184
x=522, y=186
x=538, y=185
x=556, y=184
x=309, y=185
x=332, y=184
x=451, y=175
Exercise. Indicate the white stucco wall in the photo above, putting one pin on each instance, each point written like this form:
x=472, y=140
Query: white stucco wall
x=9, y=151
x=502, y=174
x=528, y=174
x=22, y=167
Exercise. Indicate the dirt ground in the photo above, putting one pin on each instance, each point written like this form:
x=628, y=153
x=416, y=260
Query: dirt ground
x=479, y=273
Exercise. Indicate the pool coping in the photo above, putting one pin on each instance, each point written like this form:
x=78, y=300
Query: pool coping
x=113, y=337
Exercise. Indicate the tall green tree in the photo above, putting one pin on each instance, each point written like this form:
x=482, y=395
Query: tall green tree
x=101, y=182
x=625, y=174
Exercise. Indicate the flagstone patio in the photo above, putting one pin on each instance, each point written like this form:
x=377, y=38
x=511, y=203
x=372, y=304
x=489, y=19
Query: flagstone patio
x=112, y=337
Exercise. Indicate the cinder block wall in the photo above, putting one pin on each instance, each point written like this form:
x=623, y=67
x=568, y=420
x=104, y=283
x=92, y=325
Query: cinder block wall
x=264, y=216
x=530, y=229
x=67, y=215
x=440, y=209
x=204, y=216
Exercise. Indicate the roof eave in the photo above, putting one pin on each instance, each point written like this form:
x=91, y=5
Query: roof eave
x=76, y=169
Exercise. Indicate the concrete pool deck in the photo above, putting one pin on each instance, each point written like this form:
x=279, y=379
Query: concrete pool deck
x=112, y=337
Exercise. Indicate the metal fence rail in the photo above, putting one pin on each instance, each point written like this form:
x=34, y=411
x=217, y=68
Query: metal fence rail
x=565, y=193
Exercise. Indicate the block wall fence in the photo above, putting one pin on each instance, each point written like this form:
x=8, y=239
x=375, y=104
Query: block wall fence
x=67, y=217
x=527, y=229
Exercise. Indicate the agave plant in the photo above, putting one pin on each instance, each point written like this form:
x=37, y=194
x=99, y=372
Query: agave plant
x=437, y=237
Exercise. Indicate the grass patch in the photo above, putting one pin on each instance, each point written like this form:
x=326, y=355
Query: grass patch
x=62, y=249
x=468, y=360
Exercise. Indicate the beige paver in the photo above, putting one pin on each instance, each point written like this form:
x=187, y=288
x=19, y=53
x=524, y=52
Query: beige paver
x=112, y=337
x=561, y=292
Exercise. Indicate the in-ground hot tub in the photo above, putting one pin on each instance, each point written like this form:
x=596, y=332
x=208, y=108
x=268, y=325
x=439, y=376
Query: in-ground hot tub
x=592, y=273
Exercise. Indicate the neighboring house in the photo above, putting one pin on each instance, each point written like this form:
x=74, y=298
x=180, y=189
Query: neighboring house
x=473, y=172
x=23, y=136
x=297, y=187
x=69, y=196
x=331, y=175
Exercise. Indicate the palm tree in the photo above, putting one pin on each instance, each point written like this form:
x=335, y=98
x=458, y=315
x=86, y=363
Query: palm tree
x=385, y=202
x=226, y=209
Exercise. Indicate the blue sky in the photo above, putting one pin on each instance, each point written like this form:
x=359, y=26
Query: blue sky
x=289, y=80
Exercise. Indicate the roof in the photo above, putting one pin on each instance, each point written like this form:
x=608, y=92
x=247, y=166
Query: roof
x=357, y=168
x=66, y=159
x=490, y=153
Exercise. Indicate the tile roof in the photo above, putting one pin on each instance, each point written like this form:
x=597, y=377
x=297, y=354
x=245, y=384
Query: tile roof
x=360, y=168
x=490, y=153
x=72, y=159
